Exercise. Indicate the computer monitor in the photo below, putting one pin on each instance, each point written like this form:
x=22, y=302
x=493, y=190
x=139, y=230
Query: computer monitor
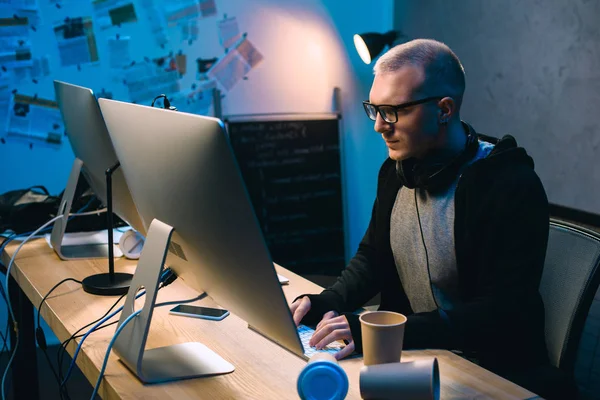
x=183, y=176
x=94, y=154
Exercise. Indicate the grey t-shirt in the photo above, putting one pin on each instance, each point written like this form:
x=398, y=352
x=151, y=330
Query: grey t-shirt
x=436, y=214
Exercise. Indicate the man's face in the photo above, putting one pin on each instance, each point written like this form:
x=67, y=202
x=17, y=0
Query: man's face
x=416, y=131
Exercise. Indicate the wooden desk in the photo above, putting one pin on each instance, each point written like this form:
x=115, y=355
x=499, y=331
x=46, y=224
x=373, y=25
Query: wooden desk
x=264, y=370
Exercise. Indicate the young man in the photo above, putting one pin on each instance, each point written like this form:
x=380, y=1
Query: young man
x=459, y=228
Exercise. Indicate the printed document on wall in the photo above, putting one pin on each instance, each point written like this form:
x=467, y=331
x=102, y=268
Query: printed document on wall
x=20, y=9
x=119, y=52
x=235, y=64
x=40, y=68
x=180, y=11
x=229, y=32
x=76, y=41
x=111, y=13
x=15, y=43
x=189, y=31
x=33, y=118
x=147, y=80
x=156, y=22
x=198, y=100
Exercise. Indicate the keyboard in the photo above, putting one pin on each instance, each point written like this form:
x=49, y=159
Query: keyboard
x=306, y=333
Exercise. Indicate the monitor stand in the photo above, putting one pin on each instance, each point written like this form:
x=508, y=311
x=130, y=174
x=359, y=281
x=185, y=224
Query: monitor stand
x=169, y=363
x=73, y=252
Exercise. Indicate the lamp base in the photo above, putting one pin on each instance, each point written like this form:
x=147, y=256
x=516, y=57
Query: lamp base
x=103, y=285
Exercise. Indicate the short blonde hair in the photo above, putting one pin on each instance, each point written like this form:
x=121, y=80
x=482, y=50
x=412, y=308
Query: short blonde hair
x=443, y=70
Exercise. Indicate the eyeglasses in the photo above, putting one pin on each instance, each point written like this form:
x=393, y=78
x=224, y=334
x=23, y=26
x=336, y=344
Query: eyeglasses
x=389, y=113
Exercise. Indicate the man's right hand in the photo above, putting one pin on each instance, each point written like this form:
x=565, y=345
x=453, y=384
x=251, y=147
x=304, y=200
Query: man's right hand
x=299, y=309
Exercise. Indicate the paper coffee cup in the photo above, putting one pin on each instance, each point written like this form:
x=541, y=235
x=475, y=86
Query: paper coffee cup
x=382, y=336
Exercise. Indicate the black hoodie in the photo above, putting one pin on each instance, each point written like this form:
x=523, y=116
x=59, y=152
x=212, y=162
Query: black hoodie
x=501, y=232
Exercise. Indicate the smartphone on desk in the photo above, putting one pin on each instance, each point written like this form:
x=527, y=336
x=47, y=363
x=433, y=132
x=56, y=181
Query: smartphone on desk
x=215, y=314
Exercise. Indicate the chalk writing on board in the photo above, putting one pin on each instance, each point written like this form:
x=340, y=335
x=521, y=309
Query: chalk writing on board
x=292, y=171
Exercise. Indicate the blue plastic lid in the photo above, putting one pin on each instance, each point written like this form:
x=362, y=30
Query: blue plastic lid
x=322, y=380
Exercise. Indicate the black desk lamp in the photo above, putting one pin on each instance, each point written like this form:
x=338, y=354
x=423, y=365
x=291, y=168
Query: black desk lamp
x=111, y=283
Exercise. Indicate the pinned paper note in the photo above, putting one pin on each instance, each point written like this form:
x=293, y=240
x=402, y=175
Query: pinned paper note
x=76, y=41
x=119, y=53
x=179, y=12
x=235, y=64
x=15, y=43
x=147, y=80
x=33, y=118
x=197, y=100
x=40, y=68
x=109, y=13
x=189, y=31
x=156, y=20
x=229, y=32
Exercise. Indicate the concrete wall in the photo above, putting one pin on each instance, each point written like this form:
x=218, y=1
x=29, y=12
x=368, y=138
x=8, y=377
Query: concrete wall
x=533, y=70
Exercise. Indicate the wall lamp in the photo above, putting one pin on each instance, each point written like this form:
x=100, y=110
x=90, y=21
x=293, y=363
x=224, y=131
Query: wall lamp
x=369, y=45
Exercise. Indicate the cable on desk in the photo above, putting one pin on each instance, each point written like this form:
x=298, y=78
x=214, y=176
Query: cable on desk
x=4, y=294
x=4, y=289
x=83, y=214
x=14, y=236
x=129, y=318
x=62, y=387
x=39, y=332
x=64, y=344
x=8, y=303
x=166, y=276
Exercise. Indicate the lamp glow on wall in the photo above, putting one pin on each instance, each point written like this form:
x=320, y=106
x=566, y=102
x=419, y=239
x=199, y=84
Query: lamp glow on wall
x=369, y=45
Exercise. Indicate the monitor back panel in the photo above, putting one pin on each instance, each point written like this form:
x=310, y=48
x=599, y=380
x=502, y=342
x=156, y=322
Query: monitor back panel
x=181, y=170
x=91, y=143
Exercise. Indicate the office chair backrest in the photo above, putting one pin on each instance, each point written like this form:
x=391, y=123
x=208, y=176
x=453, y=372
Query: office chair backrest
x=569, y=282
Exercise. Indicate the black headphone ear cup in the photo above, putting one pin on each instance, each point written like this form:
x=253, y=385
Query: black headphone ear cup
x=405, y=172
x=436, y=176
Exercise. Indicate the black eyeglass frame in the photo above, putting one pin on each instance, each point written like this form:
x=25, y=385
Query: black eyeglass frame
x=366, y=104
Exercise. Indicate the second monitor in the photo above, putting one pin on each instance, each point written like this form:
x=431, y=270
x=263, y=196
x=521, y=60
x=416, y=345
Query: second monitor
x=184, y=178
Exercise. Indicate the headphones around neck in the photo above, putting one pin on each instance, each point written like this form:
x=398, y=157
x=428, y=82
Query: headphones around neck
x=436, y=176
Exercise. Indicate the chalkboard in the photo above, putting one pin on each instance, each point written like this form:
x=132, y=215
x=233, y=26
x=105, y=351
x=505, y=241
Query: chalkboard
x=292, y=169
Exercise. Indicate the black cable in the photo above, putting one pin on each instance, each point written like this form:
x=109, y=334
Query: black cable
x=97, y=329
x=425, y=247
x=39, y=332
x=199, y=297
x=3, y=292
x=5, y=335
x=4, y=338
x=49, y=293
x=166, y=103
x=4, y=296
x=168, y=277
x=52, y=368
x=62, y=350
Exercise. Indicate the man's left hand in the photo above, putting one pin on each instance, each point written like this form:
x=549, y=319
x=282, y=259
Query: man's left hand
x=331, y=328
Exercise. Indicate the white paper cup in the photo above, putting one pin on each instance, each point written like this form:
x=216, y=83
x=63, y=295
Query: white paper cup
x=415, y=380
